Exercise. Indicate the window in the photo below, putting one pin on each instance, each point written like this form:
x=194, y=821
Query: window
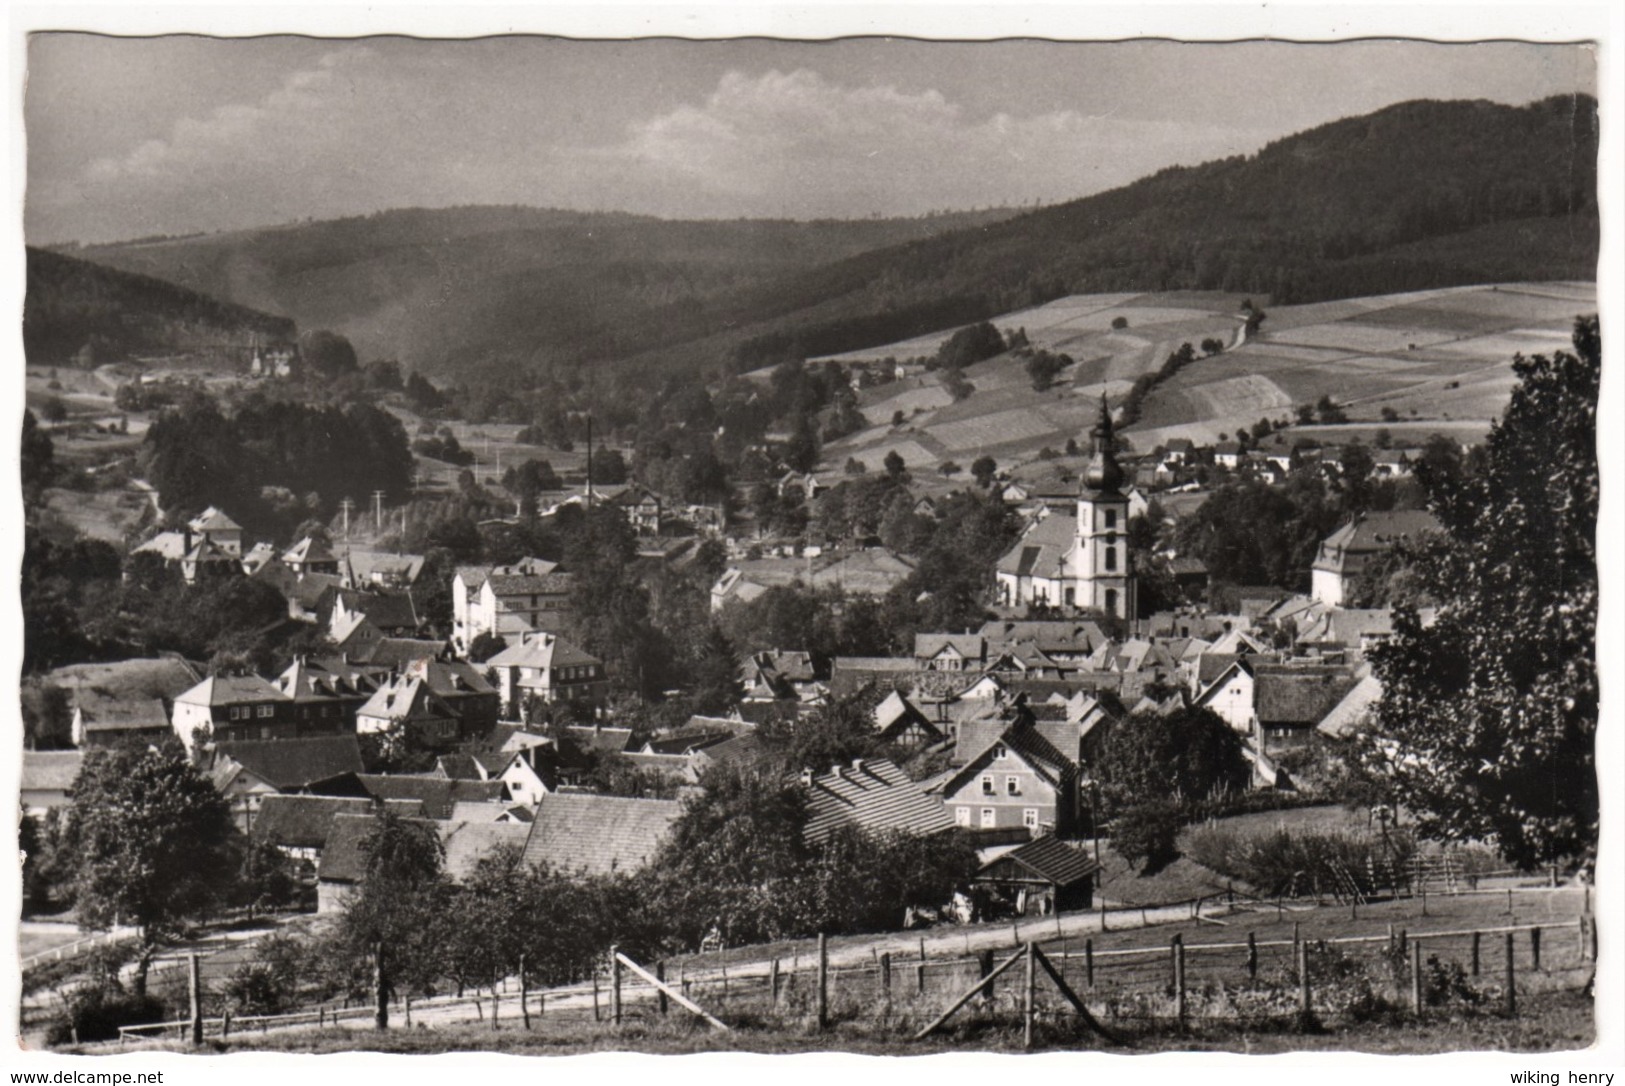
x=1071, y=597
x=1029, y=817
x=1111, y=519
x=1012, y=786
x=989, y=818
x=987, y=785
x=264, y=711
x=1111, y=559
x=1111, y=601
x=1000, y=751
x=962, y=817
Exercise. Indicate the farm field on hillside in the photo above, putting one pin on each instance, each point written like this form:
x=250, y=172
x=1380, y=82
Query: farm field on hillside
x=1438, y=359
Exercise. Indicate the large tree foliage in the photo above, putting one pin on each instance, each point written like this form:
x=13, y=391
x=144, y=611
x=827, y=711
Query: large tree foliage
x=154, y=842
x=1184, y=756
x=1488, y=720
x=391, y=918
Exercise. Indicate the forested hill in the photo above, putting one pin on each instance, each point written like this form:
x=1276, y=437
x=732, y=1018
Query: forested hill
x=1417, y=195
x=71, y=304
x=440, y=289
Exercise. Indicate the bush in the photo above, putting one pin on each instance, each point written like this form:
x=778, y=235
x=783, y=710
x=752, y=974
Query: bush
x=95, y=1013
x=1146, y=833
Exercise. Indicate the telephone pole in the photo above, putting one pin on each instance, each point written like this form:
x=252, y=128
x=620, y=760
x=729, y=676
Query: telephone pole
x=346, y=505
x=378, y=508
x=589, y=463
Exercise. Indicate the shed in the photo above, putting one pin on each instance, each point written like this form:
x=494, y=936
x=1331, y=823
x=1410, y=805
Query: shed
x=1045, y=875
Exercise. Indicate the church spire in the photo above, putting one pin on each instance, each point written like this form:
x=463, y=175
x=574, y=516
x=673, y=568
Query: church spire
x=1104, y=474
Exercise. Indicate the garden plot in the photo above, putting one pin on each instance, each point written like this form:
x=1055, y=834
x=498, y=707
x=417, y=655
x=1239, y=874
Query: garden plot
x=999, y=428
x=1365, y=339
x=1253, y=394
x=914, y=454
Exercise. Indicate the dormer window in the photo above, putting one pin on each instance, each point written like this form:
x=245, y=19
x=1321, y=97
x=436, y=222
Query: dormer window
x=1000, y=751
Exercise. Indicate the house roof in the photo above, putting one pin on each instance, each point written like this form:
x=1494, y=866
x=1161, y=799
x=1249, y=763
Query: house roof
x=385, y=610
x=685, y=744
x=50, y=770
x=872, y=794
x=542, y=650
x=467, y=810
x=599, y=739
x=1356, y=706
x=1348, y=627
x=523, y=584
x=466, y=843
x=305, y=821
x=404, y=698
x=1022, y=740
x=1346, y=549
x=170, y=546
x=343, y=857
x=437, y=794
x=231, y=690
x=1046, y=859
x=1042, y=548
x=872, y=571
x=744, y=749
x=402, y=567
x=930, y=645
x=1298, y=696
x=288, y=764
x=213, y=520
x=598, y=835
x=307, y=550
x=400, y=651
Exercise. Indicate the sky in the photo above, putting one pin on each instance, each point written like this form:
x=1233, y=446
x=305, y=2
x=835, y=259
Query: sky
x=131, y=137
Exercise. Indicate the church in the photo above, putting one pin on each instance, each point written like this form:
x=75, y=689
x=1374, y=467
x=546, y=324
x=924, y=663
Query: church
x=1079, y=562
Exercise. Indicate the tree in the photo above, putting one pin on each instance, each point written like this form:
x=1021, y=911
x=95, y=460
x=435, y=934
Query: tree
x=485, y=646
x=326, y=354
x=1182, y=757
x=154, y=843
x=392, y=918
x=1487, y=724
x=38, y=464
x=956, y=384
x=1119, y=323
x=982, y=469
x=1211, y=347
x=895, y=467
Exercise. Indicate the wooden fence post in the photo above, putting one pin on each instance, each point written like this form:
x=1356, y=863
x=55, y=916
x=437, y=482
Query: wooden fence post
x=614, y=983
x=823, y=981
x=196, y=999
x=225, y=1025
x=1089, y=962
x=1252, y=955
x=773, y=983
x=1404, y=942
x=596, y=1016
x=1424, y=899
x=1015, y=934
x=885, y=976
x=1305, y=998
x=1179, y=980
x=1534, y=948
x=1512, y=979
x=1478, y=937
x=524, y=993
x=380, y=1019
x=1509, y=901
x=1416, y=977
x=408, y=1004
x=984, y=966
x=663, y=1001
x=1028, y=999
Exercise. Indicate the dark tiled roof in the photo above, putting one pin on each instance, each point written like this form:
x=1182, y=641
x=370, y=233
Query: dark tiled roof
x=598, y=835
x=466, y=843
x=343, y=857
x=602, y=740
x=683, y=744
x=50, y=770
x=288, y=764
x=741, y=750
x=305, y=821
x=1298, y=697
x=400, y=651
x=1044, y=858
x=436, y=793
x=385, y=610
x=872, y=795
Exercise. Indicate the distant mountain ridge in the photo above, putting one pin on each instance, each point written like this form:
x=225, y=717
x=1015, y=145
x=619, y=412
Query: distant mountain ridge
x=1418, y=195
x=73, y=304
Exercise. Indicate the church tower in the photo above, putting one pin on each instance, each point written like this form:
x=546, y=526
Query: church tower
x=1101, y=575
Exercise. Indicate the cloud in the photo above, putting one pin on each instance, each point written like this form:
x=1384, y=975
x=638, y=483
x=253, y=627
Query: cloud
x=798, y=143
x=230, y=135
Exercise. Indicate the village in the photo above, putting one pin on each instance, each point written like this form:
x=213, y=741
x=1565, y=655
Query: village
x=1153, y=618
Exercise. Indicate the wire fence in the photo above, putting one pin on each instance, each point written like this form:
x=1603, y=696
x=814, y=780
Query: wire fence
x=1251, y=964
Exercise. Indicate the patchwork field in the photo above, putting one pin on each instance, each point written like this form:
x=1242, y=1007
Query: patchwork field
x=1439, y=360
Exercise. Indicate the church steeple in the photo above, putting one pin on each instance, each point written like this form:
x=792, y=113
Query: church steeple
x=1104, y=475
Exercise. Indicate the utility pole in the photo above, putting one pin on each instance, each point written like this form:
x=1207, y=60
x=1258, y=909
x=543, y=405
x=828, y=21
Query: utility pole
x=378, y=508
x=346, y=505
x=589, y=463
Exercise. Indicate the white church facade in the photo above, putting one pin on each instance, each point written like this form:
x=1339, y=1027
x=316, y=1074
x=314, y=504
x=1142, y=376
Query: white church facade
x=1079, y=562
